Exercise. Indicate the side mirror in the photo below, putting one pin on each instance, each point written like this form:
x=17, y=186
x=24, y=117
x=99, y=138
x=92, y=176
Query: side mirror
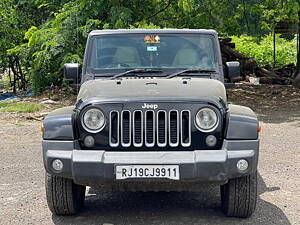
x=71, y=72
x=233, y=69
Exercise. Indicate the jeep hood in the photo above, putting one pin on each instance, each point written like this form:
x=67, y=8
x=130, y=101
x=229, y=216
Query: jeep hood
x=130, y=89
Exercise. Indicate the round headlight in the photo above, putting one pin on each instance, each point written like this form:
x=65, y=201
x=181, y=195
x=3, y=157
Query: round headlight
x=93, y=120
x=206, y=120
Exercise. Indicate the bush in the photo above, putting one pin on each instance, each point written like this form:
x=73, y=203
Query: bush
x=262, y=49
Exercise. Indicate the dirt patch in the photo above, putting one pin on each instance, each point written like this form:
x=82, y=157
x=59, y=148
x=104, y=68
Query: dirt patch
x=270, y=102
x=50, y=100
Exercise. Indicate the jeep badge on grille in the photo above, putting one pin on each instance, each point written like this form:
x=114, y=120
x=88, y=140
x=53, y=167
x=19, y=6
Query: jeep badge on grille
x=150, y=106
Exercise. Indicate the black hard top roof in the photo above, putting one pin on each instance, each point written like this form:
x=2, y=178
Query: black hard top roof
x=151, y=31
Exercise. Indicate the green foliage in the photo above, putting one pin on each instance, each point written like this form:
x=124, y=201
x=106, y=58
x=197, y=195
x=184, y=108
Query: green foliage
x=4, y=83
x=48, y=47
x=263, y=49
x=42, y=35
x=13, y=106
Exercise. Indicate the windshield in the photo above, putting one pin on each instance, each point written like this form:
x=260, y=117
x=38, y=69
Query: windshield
x=146, y=51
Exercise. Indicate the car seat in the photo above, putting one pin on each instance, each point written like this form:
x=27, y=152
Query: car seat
x=127, y=56
x=186, y=58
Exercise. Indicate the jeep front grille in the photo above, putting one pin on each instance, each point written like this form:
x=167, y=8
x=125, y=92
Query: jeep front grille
x=150, y=128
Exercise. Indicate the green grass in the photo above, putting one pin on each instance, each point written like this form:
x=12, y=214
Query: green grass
x=20, y=124
x=20, y=107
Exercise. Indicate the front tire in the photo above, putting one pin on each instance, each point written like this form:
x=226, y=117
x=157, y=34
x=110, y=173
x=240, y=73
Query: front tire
x=239, y=196
x=64, y=197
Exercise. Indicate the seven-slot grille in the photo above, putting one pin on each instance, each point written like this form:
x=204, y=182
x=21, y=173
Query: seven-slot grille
x=150, y=128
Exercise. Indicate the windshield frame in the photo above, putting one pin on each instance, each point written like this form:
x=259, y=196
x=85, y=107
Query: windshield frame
x=112, y=71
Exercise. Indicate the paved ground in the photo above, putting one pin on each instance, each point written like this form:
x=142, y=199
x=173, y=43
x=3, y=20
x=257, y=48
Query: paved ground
x=22, y=194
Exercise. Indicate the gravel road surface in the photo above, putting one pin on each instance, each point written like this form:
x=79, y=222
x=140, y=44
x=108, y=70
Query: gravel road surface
x=22, y=192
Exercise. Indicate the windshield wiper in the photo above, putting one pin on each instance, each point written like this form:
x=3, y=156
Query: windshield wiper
x=190, y=71
x=136, y=71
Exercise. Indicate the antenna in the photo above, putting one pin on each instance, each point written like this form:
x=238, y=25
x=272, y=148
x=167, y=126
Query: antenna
x=77, y=40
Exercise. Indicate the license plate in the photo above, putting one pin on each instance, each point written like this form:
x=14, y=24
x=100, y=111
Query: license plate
x=147, y=171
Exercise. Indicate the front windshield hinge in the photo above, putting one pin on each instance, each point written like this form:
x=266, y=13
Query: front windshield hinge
x=223, y=103
x=88, y=77
x=77, y=104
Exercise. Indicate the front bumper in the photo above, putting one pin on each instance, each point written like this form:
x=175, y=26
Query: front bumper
x=93, y=168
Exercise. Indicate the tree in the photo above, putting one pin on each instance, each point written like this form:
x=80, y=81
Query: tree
x=41, y=35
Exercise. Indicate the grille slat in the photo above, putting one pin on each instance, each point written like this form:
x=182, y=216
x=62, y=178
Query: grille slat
x=173, y=128
x=114, y=129
x=185, y=128
x=137, y=128
x=150, y=128
x=126, y=128
x=161, y=128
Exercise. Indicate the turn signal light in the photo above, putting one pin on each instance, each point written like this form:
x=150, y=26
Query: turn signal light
x=42, y=128
x=259, y=128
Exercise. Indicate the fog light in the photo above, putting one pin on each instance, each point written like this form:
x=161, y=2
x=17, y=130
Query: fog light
x=242, y=165
x=89, y=141
x=57, y=165
x=211, y=140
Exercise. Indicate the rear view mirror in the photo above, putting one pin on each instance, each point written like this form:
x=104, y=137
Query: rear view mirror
x=233, y=70
x=71, y=72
